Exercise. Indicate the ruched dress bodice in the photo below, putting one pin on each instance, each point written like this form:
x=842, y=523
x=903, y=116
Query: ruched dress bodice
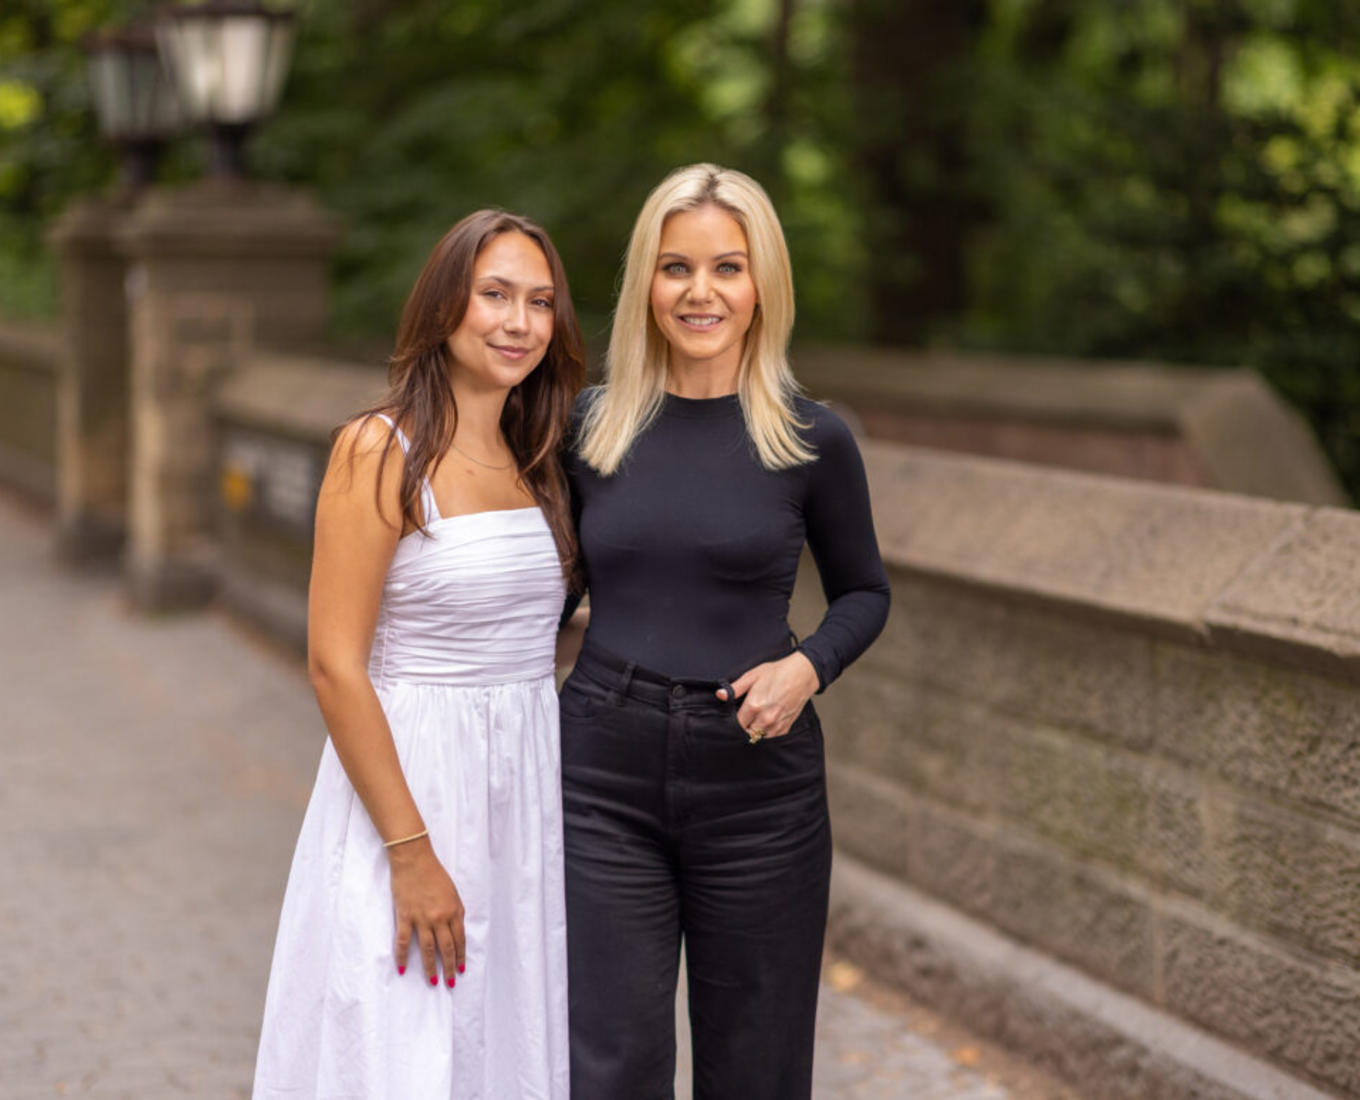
x=473, y=602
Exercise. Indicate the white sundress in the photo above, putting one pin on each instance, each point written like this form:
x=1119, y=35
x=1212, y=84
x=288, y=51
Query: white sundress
x=462, y=663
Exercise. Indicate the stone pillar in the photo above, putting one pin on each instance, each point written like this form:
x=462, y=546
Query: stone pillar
x=92, y=381
x=214, y=270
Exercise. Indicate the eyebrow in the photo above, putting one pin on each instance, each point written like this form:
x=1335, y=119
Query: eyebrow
x=721, y=256
x=510, y=283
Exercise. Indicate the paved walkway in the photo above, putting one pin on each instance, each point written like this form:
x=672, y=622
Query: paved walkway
x=153, y=776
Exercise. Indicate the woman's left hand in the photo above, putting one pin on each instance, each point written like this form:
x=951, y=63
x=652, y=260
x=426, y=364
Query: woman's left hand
x=776, y=693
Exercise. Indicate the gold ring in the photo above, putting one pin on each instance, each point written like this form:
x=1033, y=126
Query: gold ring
x=754, y=734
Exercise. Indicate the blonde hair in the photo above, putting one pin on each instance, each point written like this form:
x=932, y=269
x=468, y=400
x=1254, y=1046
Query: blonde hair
x=635, y=367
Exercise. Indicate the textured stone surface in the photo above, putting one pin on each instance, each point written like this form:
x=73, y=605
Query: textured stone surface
x=1109, y=1045
x=1260, y=727
x=1032, y=890
x=912, y=733
x=1221, y=428
x=298, y=396
x=1289, y=874
x=29, y=358
x=1130, y=812
x=1306, y=1015
x=1301, y=600
x=873, y=821
x=213, y=274
x=1020, y=660
x=1074, y=911
x=1083, y=774
x=1155, y=555
x=92, y=427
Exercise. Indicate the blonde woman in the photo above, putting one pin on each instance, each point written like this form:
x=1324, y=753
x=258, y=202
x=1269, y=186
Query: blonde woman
x=692, y=762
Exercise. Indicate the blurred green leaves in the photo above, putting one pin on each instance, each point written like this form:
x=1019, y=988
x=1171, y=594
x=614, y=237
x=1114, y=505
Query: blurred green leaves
x=1170, y=179
x=1178, y=181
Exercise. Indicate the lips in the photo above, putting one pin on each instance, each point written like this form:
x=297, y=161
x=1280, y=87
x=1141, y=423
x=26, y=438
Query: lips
x=700, y=320
x=509, y=351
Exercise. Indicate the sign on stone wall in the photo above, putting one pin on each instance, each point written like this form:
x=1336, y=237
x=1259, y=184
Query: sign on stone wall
x=271, y=480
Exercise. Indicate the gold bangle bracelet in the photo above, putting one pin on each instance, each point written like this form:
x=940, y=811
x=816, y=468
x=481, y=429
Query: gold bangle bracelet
x=406, y=839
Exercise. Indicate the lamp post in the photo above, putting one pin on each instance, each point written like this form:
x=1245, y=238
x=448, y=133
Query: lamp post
x=133, y=100
x=228, y=60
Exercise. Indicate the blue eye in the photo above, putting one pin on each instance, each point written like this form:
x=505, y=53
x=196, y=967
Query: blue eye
x=729, y=268
x=675, y=267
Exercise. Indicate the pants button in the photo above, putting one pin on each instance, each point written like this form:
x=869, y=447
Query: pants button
x=677, y=691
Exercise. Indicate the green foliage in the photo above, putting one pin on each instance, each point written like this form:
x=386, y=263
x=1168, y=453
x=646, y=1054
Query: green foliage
x=48, y=150
x=1178, y=181
x=406, y=114
x=1167, y=179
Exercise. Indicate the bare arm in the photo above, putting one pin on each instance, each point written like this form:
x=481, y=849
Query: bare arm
x=354, y=544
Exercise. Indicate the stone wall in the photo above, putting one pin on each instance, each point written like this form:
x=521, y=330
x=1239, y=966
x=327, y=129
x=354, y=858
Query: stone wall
x=273, y=419
x=1097, y=788
x=28, y=408
x=1118, y=723
x=1216, y=428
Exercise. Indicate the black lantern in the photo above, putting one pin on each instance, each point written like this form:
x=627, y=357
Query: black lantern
x=228, y=60
x=133, y=100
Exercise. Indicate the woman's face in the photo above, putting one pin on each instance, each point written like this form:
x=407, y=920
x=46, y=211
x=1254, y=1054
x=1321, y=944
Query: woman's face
x=703, y=296
x=508, y=324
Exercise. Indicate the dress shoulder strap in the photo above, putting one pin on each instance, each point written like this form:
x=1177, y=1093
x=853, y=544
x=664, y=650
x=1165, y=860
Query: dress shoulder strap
x=426, y=489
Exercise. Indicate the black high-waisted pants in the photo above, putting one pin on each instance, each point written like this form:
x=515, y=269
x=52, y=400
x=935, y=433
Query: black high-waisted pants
x=677, y=826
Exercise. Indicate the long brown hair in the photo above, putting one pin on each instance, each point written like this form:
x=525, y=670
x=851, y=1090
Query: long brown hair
x=420, y=397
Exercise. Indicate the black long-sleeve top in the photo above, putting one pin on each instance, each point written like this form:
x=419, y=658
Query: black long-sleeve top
x=690, y=550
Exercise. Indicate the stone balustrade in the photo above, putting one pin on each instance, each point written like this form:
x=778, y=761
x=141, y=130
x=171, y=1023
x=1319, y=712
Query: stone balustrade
x=1211, y=427
x=29, y=358
x=1119, y=725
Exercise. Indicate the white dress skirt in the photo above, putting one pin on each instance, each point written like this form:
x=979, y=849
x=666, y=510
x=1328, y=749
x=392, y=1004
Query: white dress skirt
x=462, y=662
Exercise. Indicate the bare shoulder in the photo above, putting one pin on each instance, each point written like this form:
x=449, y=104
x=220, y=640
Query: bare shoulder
x=366, y=464
x=367, y=435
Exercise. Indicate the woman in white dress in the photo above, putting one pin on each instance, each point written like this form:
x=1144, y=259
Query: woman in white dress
x=433, y=838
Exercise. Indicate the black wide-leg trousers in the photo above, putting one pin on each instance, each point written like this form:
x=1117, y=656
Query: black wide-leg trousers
x=676, y=826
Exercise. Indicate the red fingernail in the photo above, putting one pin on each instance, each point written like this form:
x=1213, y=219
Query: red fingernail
x=461, y=968
x=401, y=970
x=434, y=981
x=451, y=983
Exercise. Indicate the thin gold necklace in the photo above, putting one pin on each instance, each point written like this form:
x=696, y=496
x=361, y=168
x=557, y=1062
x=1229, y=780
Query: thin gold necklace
x=479, y=462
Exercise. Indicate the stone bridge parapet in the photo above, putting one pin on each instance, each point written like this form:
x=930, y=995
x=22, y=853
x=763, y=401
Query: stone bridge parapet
x=1119, y=724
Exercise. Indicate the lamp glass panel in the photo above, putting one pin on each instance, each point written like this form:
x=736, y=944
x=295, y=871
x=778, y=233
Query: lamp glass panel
x=189, y=48
x=109, y=92
x=152, y=101
x=133, y=100
x=244, y=45
x=280, y=57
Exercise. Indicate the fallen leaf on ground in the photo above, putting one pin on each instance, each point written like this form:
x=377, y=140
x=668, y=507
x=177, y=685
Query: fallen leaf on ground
x=843, y=976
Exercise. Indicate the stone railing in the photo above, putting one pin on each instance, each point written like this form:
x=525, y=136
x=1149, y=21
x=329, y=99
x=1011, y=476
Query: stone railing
x=1097, y=788
x=1115, y=728
x=29, y=355
x=274, y=418
x=1215, y=428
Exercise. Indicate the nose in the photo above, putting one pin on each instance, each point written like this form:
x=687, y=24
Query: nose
x=517, y=317
x=700, y=290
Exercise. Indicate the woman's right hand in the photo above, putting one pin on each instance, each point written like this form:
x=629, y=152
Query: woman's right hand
x=427, y=903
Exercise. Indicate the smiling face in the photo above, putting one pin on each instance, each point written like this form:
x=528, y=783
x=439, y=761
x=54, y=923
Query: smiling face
x=703, y=297
x=508, y=324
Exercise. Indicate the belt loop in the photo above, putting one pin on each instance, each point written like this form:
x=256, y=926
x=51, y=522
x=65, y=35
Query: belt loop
x=621, y=688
